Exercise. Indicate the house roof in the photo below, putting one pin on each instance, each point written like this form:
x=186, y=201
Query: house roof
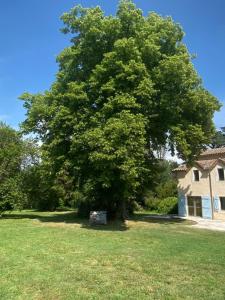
x=203, y=164
x=213, y=151
x=222, y=160
x=182, y=167
x=206, y=164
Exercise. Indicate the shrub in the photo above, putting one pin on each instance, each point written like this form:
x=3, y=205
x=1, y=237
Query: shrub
x=151, y=203
x=167, y=189
x=168, y=206
x=135, y=207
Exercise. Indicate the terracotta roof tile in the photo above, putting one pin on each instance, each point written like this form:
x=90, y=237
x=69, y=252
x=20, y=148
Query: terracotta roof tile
x=181, y=168
x=206, y=164
x=203, y=164
x=213, y=151
x=222, y=160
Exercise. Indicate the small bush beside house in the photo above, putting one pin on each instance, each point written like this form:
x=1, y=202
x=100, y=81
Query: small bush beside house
x=167, y=205
x=163, y=197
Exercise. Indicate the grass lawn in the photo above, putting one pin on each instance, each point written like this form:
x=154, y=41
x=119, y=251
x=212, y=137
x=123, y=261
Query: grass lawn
x=57, y=256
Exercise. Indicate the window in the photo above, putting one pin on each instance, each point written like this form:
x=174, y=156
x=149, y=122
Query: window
x=222, y=203
x=196, y=175
x=194, y=206
x=221, y=173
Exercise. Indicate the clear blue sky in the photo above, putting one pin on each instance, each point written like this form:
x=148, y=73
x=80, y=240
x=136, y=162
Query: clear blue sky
x=31, y=40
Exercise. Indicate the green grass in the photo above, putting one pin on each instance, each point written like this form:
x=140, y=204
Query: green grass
x=58, y=256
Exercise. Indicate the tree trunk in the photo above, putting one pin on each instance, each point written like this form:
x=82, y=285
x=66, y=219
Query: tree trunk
x=122, y=211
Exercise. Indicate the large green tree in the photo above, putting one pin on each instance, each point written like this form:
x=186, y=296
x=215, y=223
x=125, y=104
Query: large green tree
x=126, y=86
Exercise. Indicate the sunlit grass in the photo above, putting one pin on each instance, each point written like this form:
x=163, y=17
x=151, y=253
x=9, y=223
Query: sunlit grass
x=58, y=256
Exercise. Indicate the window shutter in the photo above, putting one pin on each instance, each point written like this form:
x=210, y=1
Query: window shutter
x=182, y=205
x=216, y=203
x=206, y=207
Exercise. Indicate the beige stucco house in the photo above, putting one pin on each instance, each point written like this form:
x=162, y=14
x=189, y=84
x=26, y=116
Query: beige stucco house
x=201, y=187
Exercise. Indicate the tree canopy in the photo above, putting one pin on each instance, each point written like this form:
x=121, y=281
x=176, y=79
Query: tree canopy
x=15, y=155
x=125, y=87
x=218, y=139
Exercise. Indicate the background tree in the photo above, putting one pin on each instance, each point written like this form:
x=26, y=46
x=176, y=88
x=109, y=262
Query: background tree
x=218, y=139
x=162, y=185
x=38, y=186
x=15, y=155
x=125, y=86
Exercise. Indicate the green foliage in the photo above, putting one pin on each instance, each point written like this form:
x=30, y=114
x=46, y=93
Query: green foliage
x=125, y=86
x=16, y=156
x=163, y=185
x=168, y=205
x=11, y=195
x=218, y=139
x=31, y=185
x=11, y=152
x=151, y=202
x=39, y=188
x=167, y=189
x=164, y=170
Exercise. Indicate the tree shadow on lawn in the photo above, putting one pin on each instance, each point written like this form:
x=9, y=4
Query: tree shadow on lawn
x=71, y=218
